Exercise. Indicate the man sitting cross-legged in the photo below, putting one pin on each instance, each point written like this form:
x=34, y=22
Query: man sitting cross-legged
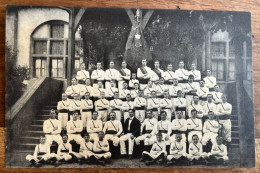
x=196, y=154
x=101, y=150
x=41, y=153
x=218, y=154
x=177, y=151
x=85, y=150
x=131, y=131
x=64, y=152
x=158, y=152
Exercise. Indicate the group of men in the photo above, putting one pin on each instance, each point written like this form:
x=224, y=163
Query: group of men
x=177, y=117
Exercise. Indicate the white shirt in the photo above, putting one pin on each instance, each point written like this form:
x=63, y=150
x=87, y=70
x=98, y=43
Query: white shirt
x=50, y=124
x=198, y=108
x=101, y=104
x=127, y=105
x=196, y=74
x=203, y=92
x=139, y=101
x=98, y=75
x=112, y=74
x=217, y=97
x=209, y=107
x=224, y=109
x=182, y=73
x=74, y=105
x=85, y=89
x=141, y=75
x=169, y=75
x=210, y=82
x=211, y=126
x=41, y=148
x=194, y=124
x=179, y=124
x=82, y=75
x=114, y=125
x=94, y=126
x=128, y=74
x=160, y=89
x=86, y=104
x=123, y=93
x=153, y=103
x=63, y=104
x=132, y=82
x=71, y=90
x=165, y=125
x=150, y=124
x=165, y=103
x=174, y=89
x=116, y=104
x=74, y=126
x=154, y=76
x=179, y=102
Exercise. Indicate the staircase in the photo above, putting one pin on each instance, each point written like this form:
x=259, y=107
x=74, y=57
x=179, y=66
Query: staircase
x=31, y=136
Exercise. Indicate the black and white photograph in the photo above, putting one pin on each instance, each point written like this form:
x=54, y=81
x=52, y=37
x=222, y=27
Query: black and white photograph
x=128, y=88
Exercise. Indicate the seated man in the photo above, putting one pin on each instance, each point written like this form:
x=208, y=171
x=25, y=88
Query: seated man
x=86, y=107
x=124, y=91
x=131, y=129
x=209, y=106
x=150, y=124
x=86, y=149
x=148, y=90
x=94, y=126
x=41, y=153
x=202, y=92
x=218, y=154
x=52, y=129
x=177, y=151
x=113, y=129
x=190, y=89
x=158, y=152
x=74, y=129
x=160, y=88
x=97, y=90
x=64, y=152
x=196, y=154
x=179, y=125
x=101, y=150
x=173, y=89
x=210, y=130
x=164, y=127
x=134, y=91
x=111, y=90
x=63, y=109
x=194, y=126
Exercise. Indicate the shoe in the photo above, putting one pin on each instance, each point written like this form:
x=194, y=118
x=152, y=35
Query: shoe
x=32, y=162
x=130, y=157
x=149, y=163
x=102, y=162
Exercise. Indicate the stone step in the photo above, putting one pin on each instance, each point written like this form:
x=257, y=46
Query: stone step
x=38, y=122
x=235, y=134
x=30, y=139
x=234, y=117
x=235, y=128
x=34, y=133
x=234, y=140
x=234, y=122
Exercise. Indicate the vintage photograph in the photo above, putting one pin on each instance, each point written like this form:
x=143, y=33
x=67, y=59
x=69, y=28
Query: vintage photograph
x=128, y=88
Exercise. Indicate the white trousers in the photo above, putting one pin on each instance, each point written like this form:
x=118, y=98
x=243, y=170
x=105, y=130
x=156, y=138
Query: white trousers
x=51, y=138
x=142, y=138
x=63, y=118
x=85, y=117
x=209, y=136
x=113, y=138
x=226, y=129
x=176, y=156
x=76, y=137
x=126, y=137
x=102, y=115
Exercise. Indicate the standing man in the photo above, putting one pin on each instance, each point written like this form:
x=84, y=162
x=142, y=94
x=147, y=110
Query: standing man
x=140, y=106
x=210, y=81
x=223, y=114
x=131, y=131
x=134, y=92
x=209, y=106
x=195, y=105
x=86, y=109
x=217, y=95
x=190, y=89
x=74, y=129
x=124, y=75
x=196, y=73
x=115, y=105
x=111, y=74
x=82, y=75
x=144, y=74
x=73, y=89
x=160, y=88
x=63, y=109
x=98, y=75
x=102, y=106
x=166, y=105
x=157, y=73
x=169, y=76
x=182, y=73
x=52, y=129
x=180, y=103
x=113, y=129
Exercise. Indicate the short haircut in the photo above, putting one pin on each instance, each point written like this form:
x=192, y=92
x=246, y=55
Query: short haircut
x=65, y=135
x=194, y=110
x=194, y=136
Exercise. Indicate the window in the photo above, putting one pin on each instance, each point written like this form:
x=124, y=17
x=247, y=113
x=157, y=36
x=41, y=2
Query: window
x=77, y=63
x=248, y=70
x=57, y=67
x=40, y=47
x=218, y=69
x=57, y=30
x=57, y=47
x=218, y=49
x=232, y=72
x=40, y=67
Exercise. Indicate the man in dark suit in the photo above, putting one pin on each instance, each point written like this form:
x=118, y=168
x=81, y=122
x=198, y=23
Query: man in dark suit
x=131, y=129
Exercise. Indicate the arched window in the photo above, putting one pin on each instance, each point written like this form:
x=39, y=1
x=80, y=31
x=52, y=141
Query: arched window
x=49, y=49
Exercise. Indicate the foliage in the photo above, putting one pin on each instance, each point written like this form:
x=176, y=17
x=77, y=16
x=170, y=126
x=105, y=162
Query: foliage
x=14, y=77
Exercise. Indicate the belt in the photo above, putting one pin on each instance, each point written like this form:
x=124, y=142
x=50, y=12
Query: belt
x=64, y=151
x=63, y=111
x=180, y=109
x=224, y=117
x=116, y=109
x=41, y=153
x=111, y=132
x=211, y=89
x=161, y=96
x=203, y=99
x=99, y=152
x=70, y=97
x=148, y=131
x=143, y=81
x=81, y=82
x=163, y=131
x=173, y=96
x=96, y=81
x=140, y=108
x=105, y=109
x=183, y=81
x=86, y=110
x=76, y=133
x=168, y=82
x=154, y=109
x=178, y=131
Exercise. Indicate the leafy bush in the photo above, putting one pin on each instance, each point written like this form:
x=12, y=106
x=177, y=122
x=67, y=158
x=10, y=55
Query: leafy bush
x=14, y=77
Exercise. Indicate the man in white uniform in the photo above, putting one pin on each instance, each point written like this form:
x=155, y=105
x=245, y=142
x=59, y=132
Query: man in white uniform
x=98, y=75
x=144, y=73
x=111, y=74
